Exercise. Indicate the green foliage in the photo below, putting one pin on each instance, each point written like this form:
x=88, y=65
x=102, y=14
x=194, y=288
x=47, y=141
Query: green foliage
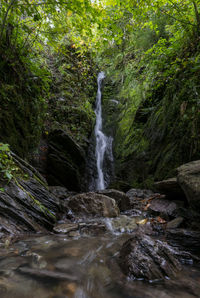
x=29, y=33
x=155, y=67
x=23, y=91
x=8, y=168
x=150, y=51
x=72, y=94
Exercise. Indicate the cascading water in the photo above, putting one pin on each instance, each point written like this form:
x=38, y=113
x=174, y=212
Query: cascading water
x=103, y=143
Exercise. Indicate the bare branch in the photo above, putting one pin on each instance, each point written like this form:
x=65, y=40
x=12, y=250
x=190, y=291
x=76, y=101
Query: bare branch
x=5, y=18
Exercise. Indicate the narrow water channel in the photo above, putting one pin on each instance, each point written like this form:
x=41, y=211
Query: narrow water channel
x=81, y=267
x=103, y=143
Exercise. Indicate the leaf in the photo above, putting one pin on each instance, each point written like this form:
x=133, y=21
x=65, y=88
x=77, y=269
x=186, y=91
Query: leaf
x=69, y=13
x=160, y=220
x=147, y=206
x=4, y=147
x=8, y=175
x=142, y=222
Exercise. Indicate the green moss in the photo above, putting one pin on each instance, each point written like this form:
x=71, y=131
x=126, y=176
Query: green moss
x=22, y=96
x=73, y=94
x=35, y=201
x=159, y=127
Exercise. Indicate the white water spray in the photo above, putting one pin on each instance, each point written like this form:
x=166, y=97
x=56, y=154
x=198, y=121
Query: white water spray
x=103, y=142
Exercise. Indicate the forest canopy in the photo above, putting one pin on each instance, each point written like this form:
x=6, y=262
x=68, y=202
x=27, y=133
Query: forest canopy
x=149, y=50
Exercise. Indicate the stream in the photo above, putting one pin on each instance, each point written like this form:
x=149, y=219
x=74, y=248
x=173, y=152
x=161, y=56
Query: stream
x=59, y=266
x=103, y=142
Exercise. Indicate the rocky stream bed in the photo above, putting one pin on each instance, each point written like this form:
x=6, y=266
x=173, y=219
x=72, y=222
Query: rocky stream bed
x=57, y=243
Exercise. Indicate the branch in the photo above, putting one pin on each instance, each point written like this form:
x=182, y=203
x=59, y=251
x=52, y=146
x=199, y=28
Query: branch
x=197, y=16
x=5, y=17
x=180, y=21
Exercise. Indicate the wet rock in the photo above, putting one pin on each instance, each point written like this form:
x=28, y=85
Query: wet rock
x=37, y=260
x=60, y=192
x=150, y=229
x=189, y=180
x=163, y=207
x=175, y=223
x=28, y=169
x=146, y=258
x=74, y=234
x=27, y=206
x=64, y=264
x=92, y=229
x=11, y=263
x=93, y=204
x=139, y=193
x=184, y=239
x=122, y=200
x=170, y=188
x=134, y=212
x=191, y=217
x=82, y=228
x=65, y=228
x=123, y=223
x=138, y=197
x=66, y=161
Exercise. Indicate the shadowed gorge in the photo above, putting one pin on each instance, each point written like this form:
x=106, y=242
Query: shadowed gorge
x=99, y=149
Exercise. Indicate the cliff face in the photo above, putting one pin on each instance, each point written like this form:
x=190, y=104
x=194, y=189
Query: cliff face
x=23, y=92
x=55, y=94
x=72, y=94
x=164, y=132
x=158, y=121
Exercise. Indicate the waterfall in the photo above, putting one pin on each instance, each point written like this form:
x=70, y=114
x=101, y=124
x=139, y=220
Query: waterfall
x=103, y=143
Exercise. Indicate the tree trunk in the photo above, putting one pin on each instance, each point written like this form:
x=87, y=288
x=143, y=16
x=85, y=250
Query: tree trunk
x=197, y=17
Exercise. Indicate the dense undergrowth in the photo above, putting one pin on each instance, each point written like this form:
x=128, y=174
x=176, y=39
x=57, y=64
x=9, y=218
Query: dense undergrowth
x=73, y=88
x=23, y=91
x=157, y=77
x=150, y=53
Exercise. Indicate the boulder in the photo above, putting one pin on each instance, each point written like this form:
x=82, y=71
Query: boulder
x=66, y=161
x=185, y=239
x=189, y=180
x=27, y=206
x=170, y=188
x=142, y=257
x=164, y=208
x=122, y=200
x=93, y=204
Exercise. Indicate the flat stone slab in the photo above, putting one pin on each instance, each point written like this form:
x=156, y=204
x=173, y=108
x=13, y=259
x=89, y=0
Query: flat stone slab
x=65, y=228
x=171, y=188
x=162, y=207
x=189, y=180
